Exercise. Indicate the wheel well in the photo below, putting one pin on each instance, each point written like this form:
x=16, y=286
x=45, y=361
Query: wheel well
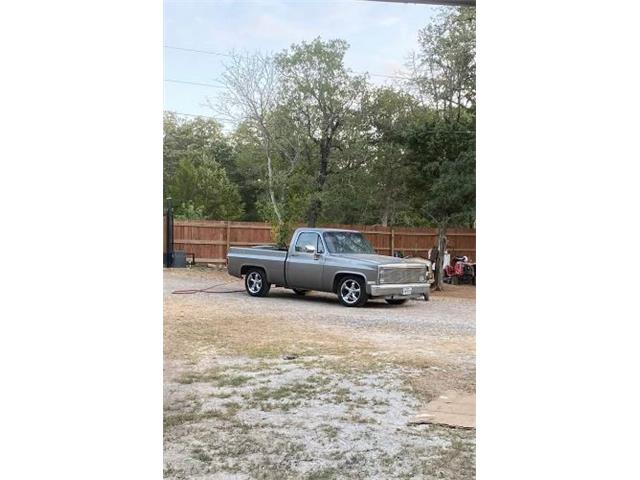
x=338, y=278
x=245, y=268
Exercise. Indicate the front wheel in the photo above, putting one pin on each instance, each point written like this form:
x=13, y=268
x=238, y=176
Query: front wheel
x=255, y=281
x=352, y=292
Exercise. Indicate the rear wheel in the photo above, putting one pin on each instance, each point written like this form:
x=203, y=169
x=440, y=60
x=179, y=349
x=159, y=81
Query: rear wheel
x=300, y=292
x=255, y=281
x=352, y=292
x=396, y=301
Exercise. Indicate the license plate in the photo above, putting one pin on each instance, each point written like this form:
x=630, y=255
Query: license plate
x=407, y=290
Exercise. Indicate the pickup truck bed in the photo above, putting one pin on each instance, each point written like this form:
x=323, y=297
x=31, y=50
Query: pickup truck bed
x=269, y=257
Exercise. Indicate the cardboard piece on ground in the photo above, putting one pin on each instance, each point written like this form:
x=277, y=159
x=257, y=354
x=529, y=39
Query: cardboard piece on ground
x=454, y=409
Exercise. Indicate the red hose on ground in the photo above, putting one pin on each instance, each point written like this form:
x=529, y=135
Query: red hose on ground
x=191, y=291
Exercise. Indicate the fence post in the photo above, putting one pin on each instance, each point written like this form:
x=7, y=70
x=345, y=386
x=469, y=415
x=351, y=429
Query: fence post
x=393, y=239
x=226, y=253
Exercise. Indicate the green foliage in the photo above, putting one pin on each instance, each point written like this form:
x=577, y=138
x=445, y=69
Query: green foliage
x=195, y=178
x=321, y=96
x=446, y=63
x=197, y=136
x=189, y=211
x=249, y=170
x=282, y=232
x=441, y=157
x=441, y=139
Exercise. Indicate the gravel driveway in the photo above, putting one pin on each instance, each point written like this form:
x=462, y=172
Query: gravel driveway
x=301, y=387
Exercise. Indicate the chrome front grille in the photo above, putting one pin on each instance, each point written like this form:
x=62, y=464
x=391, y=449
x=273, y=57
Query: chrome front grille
x=402, y=275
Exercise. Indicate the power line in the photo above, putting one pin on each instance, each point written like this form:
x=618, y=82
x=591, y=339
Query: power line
x=193, y=50
x=208, y=52
x=398, y=77
x=193, y=115
x=193, y=83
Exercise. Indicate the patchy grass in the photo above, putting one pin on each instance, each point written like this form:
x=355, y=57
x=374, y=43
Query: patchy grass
x=231, y=408
x=188, y=417
x=168, y=470
x=212, y=376
x=357, y=418
x=199, y=377
x=199, y=454
x=233, y=381
x=228, y=394
x=330, y=431
x=179, y=419
x=323, y=474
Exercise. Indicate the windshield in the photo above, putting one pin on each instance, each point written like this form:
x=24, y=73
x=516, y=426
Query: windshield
x=347, y=242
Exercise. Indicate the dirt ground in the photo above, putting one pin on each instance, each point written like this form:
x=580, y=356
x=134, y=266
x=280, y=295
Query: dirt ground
x=301, y=387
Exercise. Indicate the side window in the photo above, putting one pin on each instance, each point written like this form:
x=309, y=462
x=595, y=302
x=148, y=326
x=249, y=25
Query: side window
x=304, y=239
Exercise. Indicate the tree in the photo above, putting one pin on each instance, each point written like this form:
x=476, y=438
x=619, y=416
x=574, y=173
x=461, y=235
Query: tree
x=444, y=69
x=290, y=180
x=441, y=156
x=251, y=93
x=184, y=137
x=442, y=141
x=249, y=170
x=389, y=113
x=193, y=155
x=320, y=93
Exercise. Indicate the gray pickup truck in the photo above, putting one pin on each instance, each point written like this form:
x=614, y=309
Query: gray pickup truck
x=330, y=260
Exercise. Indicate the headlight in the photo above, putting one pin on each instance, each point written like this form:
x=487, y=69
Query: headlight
x=421, y=278
x=380, y=275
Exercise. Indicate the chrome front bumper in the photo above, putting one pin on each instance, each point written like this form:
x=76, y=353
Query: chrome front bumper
x=396, y=289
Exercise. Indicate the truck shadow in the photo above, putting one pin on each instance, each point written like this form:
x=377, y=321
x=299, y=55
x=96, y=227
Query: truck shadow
x=318, y=298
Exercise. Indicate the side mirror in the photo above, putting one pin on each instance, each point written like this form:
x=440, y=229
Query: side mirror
x=309, y=249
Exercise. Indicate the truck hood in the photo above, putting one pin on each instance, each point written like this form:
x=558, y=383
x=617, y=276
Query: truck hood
x=372, y=258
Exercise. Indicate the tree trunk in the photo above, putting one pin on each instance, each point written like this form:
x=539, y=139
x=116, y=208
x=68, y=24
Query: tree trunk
x=386, y=213
x=314, y=211
x=442, y=246
x=316, y=202
x=384, y=221
x=270, y=182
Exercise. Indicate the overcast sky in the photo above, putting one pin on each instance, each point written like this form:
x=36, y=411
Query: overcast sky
x=380, y=35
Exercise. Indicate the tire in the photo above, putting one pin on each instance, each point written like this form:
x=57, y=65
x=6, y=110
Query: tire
x=255, y=282
x=352, y=291
x=300, y=292
x=396, y=301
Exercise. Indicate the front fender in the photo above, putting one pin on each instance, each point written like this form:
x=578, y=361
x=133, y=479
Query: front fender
x=358, y=273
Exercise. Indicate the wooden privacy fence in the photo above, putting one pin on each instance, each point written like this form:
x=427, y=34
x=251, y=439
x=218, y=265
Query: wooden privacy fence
x=210, y=240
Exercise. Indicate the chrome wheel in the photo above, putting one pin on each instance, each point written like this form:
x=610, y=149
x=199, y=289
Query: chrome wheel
x=254, y=282
x=350, y=291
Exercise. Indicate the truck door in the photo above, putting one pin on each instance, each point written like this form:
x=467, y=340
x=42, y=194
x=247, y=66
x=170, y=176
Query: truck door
x=304, y=266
